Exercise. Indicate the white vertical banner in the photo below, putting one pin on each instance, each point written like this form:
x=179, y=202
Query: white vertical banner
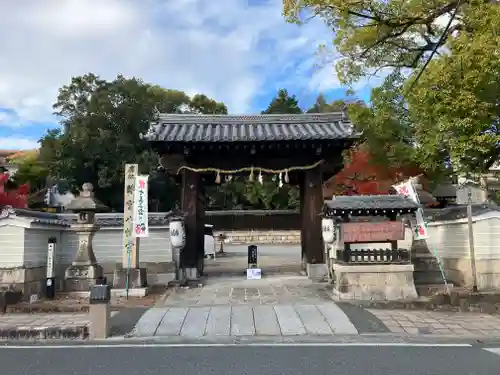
x=141, y=228
x=407, y=190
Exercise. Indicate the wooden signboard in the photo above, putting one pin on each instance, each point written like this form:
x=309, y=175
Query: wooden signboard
x=372, y=232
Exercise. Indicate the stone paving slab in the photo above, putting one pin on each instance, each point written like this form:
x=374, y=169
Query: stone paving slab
x=44, y=326
x=439, y=323
x=233, y=291
x=43, y=320
x=241, y=321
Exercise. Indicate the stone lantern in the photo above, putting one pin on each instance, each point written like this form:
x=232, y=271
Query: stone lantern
x=84, y=270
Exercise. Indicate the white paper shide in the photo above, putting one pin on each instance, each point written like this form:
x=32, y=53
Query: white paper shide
x=141, y=228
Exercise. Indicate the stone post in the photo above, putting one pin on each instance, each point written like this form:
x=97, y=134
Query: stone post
x=84, y=270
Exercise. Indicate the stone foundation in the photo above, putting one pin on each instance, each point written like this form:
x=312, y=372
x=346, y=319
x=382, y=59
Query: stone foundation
x=28, y=281
x=317, y=272
x=381, y=282
x=137, y=278
x=31, y=281
x=458, y=271
x=247, y=237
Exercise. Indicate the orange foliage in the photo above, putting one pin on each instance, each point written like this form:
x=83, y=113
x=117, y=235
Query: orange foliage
x=361, y=176
x=16, y=198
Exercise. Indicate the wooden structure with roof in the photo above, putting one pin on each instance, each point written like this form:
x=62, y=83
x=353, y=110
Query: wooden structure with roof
x=370, y=239
x=304, y=149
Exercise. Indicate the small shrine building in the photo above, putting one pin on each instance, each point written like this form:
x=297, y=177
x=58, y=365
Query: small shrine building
x=369, y=246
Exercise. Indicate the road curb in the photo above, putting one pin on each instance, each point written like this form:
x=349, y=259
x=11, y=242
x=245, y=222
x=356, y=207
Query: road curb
x=45, y=333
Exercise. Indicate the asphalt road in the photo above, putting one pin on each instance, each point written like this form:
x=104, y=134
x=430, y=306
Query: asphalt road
x=258, y=360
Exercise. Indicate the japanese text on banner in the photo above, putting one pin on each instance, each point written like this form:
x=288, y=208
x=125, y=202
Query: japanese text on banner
x=141, y=206
x=407, y=190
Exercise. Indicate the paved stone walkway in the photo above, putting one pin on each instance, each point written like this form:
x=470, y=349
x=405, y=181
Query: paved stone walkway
x=43, y=321
x=439, y=323
x=232, y=291
x=285, y=305
x=217, y=321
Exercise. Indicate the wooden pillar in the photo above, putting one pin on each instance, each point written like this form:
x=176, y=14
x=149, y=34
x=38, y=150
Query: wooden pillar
x=311, y=219
x=189, y=205
x=201, y=229
x=303, y=260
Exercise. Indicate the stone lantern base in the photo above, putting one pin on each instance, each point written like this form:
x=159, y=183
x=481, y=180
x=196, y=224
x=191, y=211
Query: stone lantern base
x=134, y=278
x=79, y=278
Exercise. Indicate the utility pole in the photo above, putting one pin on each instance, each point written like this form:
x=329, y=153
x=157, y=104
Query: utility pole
x=472, y=251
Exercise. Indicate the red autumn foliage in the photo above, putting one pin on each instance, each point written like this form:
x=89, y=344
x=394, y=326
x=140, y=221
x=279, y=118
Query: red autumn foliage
x=361, y=176
x=17, y=198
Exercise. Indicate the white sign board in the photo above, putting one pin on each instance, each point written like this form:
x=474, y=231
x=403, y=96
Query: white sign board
x=50, y=260
x=141, y=228
x=254, y=274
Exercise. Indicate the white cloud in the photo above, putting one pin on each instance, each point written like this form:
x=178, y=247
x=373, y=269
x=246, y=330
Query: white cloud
x=17, y=143
x=226, y=49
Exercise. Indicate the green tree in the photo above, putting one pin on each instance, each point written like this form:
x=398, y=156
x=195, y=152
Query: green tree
x=371, y=35
x=102, y=122
x=455, y=102
x=30, y=171
x=322, y=106
x=387, y=129
x=451, y=114
x=283, y=103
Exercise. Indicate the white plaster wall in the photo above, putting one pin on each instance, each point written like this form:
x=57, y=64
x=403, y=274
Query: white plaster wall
x=11, y=246
x=451, y=242
x=35, y=246
x=451, y=239
x=108, y=246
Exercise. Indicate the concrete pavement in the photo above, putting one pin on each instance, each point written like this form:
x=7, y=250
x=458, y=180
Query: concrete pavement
x=370, y=359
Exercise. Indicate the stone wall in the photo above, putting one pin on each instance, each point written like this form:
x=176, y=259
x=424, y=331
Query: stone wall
x=241, y=237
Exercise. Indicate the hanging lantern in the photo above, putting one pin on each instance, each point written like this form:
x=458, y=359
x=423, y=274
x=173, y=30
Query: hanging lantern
x=287, y=179
x=217, y=178
x=260, y=178
x=251, y=177
x=280, y=181
x=177, y=233
x=328, y=230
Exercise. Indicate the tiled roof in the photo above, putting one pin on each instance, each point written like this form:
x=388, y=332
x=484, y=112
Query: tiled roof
x=460, y=212
x=370, y=202
x=445, y=191
x=116, y=219
x=35, y=216
x=225, y=128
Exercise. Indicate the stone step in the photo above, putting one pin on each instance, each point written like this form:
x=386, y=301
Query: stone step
x=428, y=277
x=425, y=262
x=431, y=289
x=426, y=268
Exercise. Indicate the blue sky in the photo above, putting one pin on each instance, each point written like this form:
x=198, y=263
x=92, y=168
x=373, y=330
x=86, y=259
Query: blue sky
x=236, y=51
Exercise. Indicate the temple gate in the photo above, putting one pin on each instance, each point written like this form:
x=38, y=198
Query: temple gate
x=301, y=149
